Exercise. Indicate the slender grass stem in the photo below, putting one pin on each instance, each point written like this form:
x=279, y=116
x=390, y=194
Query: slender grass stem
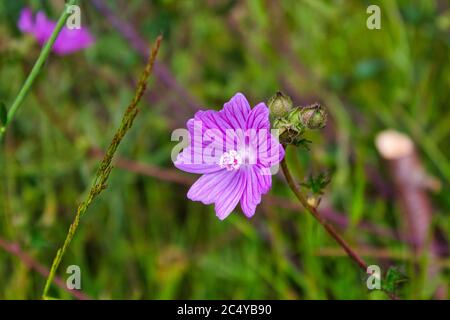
x=36, y=68
x=105, y=168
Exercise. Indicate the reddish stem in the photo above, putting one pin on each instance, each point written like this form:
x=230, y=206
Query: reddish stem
x=352, y=254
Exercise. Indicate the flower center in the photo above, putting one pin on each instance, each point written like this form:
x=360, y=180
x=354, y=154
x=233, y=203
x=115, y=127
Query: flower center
x=230, y=160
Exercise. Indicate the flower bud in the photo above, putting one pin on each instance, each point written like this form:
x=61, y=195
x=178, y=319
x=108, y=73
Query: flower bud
x=280, y=105
x=288, y=132
x=313, y=116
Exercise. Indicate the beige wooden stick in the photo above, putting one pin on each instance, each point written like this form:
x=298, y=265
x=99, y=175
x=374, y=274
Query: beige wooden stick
x=411, y=183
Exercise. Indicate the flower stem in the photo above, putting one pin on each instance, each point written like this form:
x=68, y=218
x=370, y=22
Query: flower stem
x=350, y=252
x=105, y=168
x=331, y=231
x=36, y=68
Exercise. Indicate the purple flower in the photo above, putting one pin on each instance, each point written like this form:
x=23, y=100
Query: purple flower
x=68, y=41
x=234, y=150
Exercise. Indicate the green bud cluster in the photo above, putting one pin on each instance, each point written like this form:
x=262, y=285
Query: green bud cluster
x=280, y=105
x=294, y=121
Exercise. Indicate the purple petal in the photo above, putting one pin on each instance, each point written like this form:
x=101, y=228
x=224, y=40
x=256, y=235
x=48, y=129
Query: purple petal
x=264, y=178
x=273, y=156
x=229, y=198
x=26, y=21
x=237, y=110
x=68, y=40
x=270, y=151
x=251, y=196
x=72, y=40
x=212, y=119
x=204, y=149
x=207, y=121
x=259, y=117
x=187, y=162
x=209, y=130
x=209, y=187
x=43, y=28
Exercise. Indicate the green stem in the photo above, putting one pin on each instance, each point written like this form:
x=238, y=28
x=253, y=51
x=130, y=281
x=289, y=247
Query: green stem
x=36, y=68
x=105, y=168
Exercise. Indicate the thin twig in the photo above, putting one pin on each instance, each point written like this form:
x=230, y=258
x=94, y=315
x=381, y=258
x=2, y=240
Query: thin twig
x=150, y=170
x=15, y=250
x=380, y=253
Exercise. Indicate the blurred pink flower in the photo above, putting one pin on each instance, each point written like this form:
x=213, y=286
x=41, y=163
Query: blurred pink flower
x=68, y=41
x=234, y=150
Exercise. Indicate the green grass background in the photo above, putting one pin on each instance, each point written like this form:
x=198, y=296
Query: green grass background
x=142, y=239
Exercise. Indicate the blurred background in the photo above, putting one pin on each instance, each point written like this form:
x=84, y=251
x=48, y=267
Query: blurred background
x=142, y=238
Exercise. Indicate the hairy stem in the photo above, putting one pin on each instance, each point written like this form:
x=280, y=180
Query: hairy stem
x=105, y=168
x=294, y=187
x=329, y=228
x=36, y=68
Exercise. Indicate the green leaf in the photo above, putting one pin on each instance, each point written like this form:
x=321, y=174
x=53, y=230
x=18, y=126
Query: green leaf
x=394, y=278
x=317, y=184
x=302, y=142
x=3, y=114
